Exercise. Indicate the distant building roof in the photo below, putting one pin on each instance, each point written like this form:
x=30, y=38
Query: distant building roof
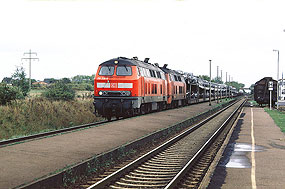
x=40, y=83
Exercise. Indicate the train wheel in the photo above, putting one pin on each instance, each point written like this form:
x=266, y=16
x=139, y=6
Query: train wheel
x=142, y=109
x=163, y=106
x=148, y=109
x=131, y=113
x=109, y=117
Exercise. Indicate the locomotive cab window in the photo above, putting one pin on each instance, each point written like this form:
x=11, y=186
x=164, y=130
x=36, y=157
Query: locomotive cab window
x=124, y=71
x=107, y=70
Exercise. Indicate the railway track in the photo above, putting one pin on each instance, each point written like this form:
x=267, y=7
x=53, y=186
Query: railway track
x=177, y=162
x=55, y=132
x=45, y=134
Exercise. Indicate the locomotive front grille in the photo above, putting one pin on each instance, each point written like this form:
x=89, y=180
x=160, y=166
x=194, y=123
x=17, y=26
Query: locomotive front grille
x=114, y=93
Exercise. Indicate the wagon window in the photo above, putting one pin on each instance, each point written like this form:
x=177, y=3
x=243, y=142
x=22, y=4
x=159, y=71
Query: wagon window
x=152, y=73
x=158, y=74
x=179, y=78
x=175, y=78
x=180, y=90
x=141, y=71
x=172, y=77
x=124, y=71
x=162, y=75
x=147, y=72
x=106, y=70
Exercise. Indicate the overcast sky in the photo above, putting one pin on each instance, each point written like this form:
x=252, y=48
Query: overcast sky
x=74, y=37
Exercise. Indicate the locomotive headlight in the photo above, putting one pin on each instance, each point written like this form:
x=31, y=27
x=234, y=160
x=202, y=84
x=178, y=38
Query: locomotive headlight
x=100, y=93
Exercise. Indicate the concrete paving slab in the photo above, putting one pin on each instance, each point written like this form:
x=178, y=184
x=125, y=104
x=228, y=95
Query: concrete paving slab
x=259, y=143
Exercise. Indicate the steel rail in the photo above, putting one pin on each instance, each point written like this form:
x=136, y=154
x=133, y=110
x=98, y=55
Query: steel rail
x=35, y=136
x=124, y=170
x=173, y=183
x=49, y=133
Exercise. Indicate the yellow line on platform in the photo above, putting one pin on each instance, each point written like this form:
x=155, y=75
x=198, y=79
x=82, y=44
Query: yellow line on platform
x=253, y=180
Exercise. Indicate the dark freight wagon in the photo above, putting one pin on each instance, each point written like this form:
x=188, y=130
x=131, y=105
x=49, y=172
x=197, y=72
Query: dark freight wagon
x=261, y=92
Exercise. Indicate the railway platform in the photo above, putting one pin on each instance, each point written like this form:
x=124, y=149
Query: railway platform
x=26, y=162
x=254, y=156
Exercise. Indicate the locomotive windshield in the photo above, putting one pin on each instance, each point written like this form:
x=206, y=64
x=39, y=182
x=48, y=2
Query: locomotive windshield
x=107, y=70
x=124, y=71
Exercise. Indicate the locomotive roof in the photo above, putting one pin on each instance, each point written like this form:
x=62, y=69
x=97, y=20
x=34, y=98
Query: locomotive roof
x=167, y=70
x=122, y=61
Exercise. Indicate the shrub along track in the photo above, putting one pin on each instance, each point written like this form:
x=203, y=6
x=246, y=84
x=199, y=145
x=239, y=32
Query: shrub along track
x=174, y=160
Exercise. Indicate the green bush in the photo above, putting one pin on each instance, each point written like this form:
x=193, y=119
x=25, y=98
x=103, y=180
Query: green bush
x=81, y=86
x=9, y=93
x=60, y=91
x=89, y=87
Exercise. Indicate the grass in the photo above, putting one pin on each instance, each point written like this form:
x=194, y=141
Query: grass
x=278, y=117
x=78, y=94
x=34, y=115
x=36, y=92
x=253, y=102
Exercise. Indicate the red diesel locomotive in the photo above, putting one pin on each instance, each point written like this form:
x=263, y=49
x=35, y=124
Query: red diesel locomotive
x=124, y=87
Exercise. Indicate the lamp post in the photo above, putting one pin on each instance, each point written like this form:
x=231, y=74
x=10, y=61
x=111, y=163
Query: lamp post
x=226, y=85
x=217, y=73
x=277, y=76
x=217, y=92
x=229, y=86
x=221, y=84
x=210, y=85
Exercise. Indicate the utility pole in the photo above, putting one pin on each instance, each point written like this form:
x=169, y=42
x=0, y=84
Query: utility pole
x=229, y=86
x=30, y=58
x=277, y=78
x=221, y=84
x=226, y=85
x=210, y=83
x=217, y=73
x=222, y=76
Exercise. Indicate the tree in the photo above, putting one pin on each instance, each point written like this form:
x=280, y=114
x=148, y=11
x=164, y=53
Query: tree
x=205, y=77
x=83, y=79
x=251, y=88
x=60, y=91
x=236, y=84
x=218, y=80
x=8, y=93
x=20, y=81
x=65, y=80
